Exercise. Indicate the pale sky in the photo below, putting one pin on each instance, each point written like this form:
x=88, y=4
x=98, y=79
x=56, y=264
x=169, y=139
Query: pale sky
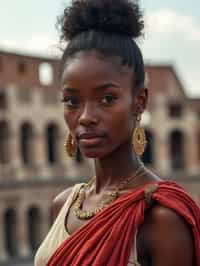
x=172, y=33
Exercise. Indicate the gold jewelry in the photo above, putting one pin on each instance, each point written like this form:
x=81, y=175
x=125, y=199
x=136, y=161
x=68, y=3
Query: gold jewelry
x=85, y=215
x=70, y=146
x=139, y=138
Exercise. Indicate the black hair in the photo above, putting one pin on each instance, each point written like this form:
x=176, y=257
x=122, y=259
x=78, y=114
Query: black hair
x=107, y=26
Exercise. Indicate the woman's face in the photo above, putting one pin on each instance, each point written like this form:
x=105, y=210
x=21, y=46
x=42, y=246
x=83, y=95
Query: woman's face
x=98, y=102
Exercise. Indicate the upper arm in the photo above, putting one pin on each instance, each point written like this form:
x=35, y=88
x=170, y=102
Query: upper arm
x=59, y=201
x=171, y=240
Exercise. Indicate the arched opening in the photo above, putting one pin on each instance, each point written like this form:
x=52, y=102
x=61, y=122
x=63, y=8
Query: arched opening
x=175, y=110
x=27, y=144
x=4, y=143
x=52, y=137
x=45, y=73
x=51, y=216
x=177, y=150
x=22, y=67
x=147, y=157
x=79, y=156
x=10, y=231
x=34, y=228
x=3, y=101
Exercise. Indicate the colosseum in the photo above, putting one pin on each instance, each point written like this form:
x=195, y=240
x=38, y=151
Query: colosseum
x=33, y=163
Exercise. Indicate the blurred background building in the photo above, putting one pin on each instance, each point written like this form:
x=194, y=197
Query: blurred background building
x=34, y=166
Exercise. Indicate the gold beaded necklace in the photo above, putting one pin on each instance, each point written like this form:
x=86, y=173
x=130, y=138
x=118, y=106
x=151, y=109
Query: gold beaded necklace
x=85, y=215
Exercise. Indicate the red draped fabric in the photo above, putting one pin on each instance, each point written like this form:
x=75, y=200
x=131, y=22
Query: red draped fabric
x=108, y=237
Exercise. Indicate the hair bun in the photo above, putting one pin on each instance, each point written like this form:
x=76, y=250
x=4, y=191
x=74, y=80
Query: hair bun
x=110, y=16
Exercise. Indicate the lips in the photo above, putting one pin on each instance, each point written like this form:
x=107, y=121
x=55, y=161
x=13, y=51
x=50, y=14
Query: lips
x=89, y=135
x=90, y=139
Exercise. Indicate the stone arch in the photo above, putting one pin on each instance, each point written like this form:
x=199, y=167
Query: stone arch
x=27, y=143
x=34, y=227
x=177, y=154
x=10, y=232
x=3, y=100
x=51, y=215
x=4, y=143
x=52, y=143
x=147, y=157
x=79, y=157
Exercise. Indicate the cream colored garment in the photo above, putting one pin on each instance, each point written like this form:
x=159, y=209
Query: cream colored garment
x=58, y=234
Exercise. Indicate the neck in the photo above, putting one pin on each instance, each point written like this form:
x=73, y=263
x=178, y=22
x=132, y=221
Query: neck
x=111, y=170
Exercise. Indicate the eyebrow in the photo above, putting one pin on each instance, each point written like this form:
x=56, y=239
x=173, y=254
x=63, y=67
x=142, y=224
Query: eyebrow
x=70, y=90
x=100, y=87
x=106, y=85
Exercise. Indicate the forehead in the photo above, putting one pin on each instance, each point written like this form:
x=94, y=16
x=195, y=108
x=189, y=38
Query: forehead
x=94, y=67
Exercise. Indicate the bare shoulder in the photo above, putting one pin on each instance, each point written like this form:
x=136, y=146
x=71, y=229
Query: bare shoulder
x=165, y=218
x=169, y=235
x=59, y=201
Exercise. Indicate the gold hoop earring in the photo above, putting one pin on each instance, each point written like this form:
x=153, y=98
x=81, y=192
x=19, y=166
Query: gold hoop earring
x=70, y=146
x=139, y=137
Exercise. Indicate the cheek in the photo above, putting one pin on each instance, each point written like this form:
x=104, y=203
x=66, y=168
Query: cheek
x=122, y=122
x=70, y=119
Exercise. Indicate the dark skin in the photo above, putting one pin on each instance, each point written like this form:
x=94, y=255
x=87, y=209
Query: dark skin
x=99, y=97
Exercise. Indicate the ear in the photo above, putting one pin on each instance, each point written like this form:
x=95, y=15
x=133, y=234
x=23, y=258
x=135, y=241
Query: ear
x=140, y=101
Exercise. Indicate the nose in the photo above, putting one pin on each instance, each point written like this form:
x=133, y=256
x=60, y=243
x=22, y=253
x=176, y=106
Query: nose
x=88, y=116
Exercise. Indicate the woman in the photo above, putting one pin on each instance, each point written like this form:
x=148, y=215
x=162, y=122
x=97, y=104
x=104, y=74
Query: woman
x=125, y=215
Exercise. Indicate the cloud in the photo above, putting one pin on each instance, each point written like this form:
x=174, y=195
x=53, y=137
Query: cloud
x=172, y=37
x=40, y=44
x=170, y=23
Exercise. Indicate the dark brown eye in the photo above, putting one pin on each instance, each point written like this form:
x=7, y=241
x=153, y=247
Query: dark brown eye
x=108, y=99
x=70, y=101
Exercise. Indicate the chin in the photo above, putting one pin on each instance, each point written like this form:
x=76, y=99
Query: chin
x=92, y=155
x=95, y=154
